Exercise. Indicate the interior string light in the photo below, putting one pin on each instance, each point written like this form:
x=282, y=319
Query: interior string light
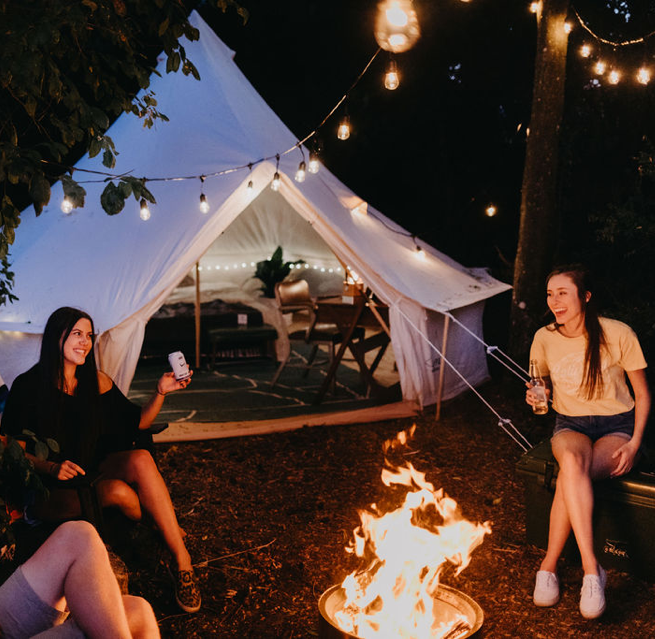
x=534, y=7
x=614, y=76
x=491, y=210
x=568, y=27
x=600, y=67
x=585, y=50
x=418, y=251
x=144, y=213
x=391, y=77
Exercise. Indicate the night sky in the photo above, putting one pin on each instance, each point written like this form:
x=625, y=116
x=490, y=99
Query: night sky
x=451, y=139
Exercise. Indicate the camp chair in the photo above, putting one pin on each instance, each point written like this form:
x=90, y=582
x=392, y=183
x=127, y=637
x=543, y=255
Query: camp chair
x=294, y=297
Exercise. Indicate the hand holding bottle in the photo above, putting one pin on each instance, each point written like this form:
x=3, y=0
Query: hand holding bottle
x=538, y=393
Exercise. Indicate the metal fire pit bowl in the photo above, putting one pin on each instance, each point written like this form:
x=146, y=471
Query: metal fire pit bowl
x=448, y=603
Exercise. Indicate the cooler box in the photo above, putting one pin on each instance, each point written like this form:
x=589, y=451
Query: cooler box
x=624, y=513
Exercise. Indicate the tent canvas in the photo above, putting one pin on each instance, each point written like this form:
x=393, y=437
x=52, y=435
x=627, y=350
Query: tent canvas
x=121, y=269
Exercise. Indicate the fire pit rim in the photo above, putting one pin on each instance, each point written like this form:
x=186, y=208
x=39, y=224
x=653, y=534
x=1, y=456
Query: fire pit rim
x=450, y=591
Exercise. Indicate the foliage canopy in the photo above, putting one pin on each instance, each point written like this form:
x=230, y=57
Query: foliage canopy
x=68, y=70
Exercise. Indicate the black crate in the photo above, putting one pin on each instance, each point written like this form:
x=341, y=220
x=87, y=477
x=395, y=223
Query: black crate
x=624, y=513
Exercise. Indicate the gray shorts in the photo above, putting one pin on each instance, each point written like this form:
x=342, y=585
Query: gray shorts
x=23, y=614
x=597, y=426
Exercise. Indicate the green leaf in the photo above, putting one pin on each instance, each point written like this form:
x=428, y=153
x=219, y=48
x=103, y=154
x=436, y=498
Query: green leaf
x=40, y=450
x=163, y=27
x=108, y=159
x=39, y=191
x=73, y=191
x=112, y=200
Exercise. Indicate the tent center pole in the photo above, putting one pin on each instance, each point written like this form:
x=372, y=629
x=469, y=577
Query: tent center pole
x=442, y=367
x=197, y=314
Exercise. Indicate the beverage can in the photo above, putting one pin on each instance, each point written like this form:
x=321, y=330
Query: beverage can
x=178, y=365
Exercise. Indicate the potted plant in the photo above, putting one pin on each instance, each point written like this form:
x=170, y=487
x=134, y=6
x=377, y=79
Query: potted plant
x=272, y=271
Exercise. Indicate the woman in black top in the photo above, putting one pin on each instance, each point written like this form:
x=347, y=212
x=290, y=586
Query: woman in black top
x=65, y=397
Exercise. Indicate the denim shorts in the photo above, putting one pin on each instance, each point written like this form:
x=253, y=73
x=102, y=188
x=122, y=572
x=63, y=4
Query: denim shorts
x=597, y=426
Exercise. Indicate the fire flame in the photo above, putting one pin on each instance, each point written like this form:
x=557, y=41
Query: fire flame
x=406, y=550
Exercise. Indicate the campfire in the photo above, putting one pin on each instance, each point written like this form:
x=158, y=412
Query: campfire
x=403, y=552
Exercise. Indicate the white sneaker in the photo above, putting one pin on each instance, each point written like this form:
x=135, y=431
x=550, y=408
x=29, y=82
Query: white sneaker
x=592, y=595
x=546, y=589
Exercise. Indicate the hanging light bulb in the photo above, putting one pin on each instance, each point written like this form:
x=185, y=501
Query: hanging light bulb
x=343, y=132
x=301, y=172
x=491, y=210
x=275, y=184
x=600, y=67
x=250, y=189
x=585, y=50
x=420, y=253
x=396, y=25
x=144, y=213
x=614, y=76
x=391, y=77
x=534, y=7
x=643, y=75
x=204, y=205
x=314, y=164
x=568, y=27
x=66, y=205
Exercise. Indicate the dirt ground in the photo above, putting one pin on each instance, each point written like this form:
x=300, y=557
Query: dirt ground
x=268, y=517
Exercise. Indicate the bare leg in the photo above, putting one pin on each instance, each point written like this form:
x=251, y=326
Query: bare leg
x=573, y=452
x=137, y=468
x=143, y=624
x=119, y=494
x=72, y=569
x=600, y=467
x=558, y=531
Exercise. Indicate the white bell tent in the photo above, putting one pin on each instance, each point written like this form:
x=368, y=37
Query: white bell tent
x=121, y=269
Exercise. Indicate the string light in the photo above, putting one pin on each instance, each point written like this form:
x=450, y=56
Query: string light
x=396, y=25
x=301, y=172
x=275, y=184
x=643, y=75
x=314, y=163
x=535, y=7
x=144, y=213
x=614, y=77
x=204, y=205
x=585, y=50
x=343, y=132
x=418, y=251
x=391, y=77
x=600, y=67
x=491, y=210
x=568, y=27
x=66, y=205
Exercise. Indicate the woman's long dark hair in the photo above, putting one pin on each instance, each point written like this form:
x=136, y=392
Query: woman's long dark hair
x=592, y=382
x=51, y=368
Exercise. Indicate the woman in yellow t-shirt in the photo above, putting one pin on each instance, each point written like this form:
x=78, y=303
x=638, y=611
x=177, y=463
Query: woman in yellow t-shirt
x=599, y=425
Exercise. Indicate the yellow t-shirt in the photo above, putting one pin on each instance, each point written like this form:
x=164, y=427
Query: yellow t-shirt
x=562, y=359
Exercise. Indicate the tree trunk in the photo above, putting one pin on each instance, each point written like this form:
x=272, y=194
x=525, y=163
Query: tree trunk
x=539, y=223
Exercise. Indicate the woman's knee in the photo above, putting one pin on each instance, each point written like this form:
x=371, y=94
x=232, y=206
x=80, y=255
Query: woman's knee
x=119, y=494
x=76, y=536
x=575, y=462
x=140, y=463
x=140, y=616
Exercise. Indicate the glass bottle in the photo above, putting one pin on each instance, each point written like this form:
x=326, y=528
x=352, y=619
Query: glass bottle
x=540, y=407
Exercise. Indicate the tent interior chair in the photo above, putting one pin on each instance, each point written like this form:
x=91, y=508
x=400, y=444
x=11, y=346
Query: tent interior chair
x=294, y=297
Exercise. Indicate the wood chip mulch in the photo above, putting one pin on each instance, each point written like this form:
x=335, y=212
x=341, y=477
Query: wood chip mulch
x=268, y=517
